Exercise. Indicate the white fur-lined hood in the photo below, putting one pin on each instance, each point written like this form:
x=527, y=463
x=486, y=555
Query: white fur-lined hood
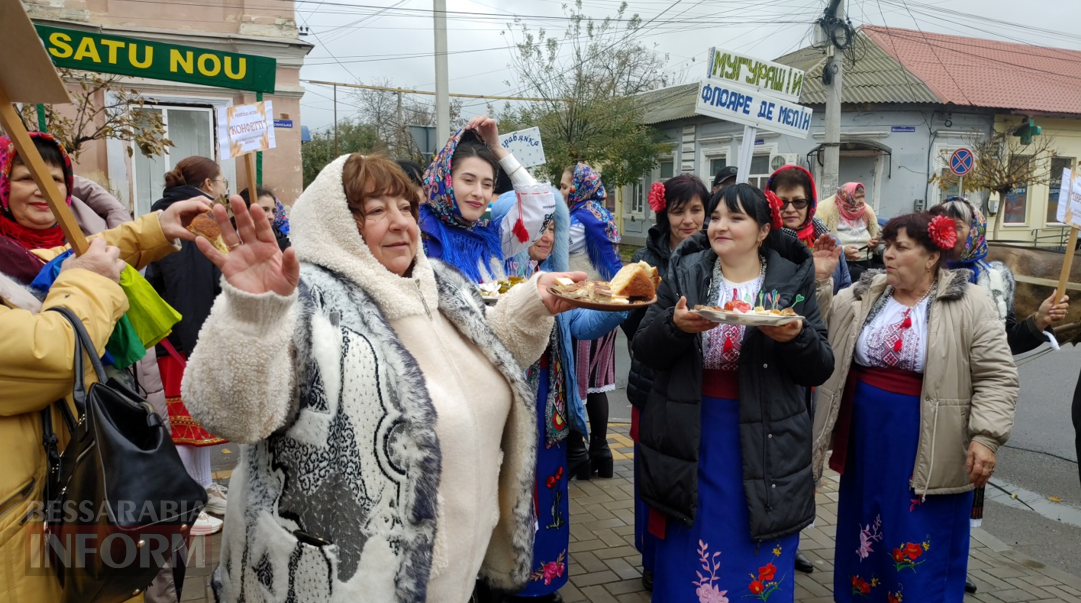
x=323, y=233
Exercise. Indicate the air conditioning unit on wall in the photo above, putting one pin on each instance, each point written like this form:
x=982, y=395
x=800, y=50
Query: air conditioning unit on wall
x=783, y=159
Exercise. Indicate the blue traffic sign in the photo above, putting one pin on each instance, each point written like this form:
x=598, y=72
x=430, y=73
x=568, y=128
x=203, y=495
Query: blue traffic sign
x=962, y=162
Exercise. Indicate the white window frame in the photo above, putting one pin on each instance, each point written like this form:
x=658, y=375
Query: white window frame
x=710, y=151
x=1053, y=190
x=941, y=152
x=122, y=166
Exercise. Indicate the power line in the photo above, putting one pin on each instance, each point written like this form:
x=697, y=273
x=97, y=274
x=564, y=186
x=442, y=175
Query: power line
x=424, y=92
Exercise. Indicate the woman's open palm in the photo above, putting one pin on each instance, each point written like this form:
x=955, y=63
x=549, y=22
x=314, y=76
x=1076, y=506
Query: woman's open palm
x=255, y=264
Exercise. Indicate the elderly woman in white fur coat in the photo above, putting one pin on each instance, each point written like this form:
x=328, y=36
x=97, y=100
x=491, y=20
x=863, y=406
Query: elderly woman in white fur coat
x=389, y=434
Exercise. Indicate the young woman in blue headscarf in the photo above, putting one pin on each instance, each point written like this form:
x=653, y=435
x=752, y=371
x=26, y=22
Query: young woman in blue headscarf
x=593, y=240
x=561, y=420
x=459, y=186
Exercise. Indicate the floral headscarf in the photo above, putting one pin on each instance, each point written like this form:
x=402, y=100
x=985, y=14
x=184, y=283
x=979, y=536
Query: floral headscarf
x=28, y=237
x=448, y=236
x=586, y=200
x=586, y=186
x=281, y=217
x=975, y=250
x=440, y=188
x=850, y=207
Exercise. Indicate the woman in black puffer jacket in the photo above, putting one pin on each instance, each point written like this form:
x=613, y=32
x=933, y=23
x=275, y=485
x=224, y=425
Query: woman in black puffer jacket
x=680, y=207
x=725, y=441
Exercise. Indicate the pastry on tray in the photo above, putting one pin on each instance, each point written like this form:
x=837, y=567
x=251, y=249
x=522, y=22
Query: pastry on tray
x=633, y=283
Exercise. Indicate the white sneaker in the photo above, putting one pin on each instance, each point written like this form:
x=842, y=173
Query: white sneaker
x=216, y=499
x=206, y=525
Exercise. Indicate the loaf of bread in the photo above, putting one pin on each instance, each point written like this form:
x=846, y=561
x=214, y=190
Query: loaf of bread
x=205, y=226
x=638, y=280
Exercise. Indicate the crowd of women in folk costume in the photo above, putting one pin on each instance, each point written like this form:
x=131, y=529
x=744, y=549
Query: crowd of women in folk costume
x=402, y=440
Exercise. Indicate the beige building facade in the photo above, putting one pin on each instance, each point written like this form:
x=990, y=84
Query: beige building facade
x=254, y=27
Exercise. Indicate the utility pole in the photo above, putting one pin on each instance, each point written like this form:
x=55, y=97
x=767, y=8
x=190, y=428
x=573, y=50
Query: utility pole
x=832, y=76
x=442, y=79
x=399, y=129
x=335, y=121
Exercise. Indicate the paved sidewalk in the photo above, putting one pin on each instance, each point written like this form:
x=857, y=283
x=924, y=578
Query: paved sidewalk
x=605, y=567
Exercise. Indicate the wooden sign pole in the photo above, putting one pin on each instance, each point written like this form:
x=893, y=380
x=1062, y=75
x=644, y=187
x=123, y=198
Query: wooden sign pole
x=9, y=119
x=249, y=164
x=1067, y=264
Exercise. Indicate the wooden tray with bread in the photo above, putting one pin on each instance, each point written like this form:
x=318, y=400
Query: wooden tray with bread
x=634, y=286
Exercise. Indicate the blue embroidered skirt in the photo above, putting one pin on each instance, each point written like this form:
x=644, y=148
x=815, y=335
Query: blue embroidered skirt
x=550, y=497
x=893, y=545
x=715, y=560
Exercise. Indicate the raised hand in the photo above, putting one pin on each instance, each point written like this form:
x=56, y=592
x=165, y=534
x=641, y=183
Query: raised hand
x=826, y=256
x=486, y=128
x=1051, y=312
x=255, y=264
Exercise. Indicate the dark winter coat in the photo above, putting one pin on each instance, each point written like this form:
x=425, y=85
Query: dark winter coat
x=775, y=424
x=186, y=280
x=656, y=253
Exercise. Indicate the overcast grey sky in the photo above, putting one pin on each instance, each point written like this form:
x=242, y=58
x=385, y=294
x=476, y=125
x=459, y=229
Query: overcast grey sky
x=370, y=40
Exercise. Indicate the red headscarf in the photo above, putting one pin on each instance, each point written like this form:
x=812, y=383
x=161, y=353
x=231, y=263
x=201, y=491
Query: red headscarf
x=848, y=205
x=29, y=237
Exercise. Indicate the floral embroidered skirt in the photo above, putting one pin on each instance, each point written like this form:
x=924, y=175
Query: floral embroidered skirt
x=595, y=362
x=892, y=545
x=552, y=506
x=185, y=429
x=715, y=560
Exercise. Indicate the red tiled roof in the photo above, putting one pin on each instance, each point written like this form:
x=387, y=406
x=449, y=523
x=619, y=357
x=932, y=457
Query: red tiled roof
x=986, y=73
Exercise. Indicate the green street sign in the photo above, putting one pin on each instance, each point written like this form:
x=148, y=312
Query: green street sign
x=88, y=51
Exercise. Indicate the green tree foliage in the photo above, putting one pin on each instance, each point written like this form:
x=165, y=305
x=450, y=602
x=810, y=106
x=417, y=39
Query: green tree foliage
x=587, y=81
x=353, y=137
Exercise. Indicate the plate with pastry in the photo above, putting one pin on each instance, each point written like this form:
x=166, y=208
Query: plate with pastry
x=634, y=286
x=492, y=291
x=741, y=312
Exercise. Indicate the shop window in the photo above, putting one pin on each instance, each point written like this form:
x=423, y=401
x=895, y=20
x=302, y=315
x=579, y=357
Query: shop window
x=1015, y=204
x=1057, y=165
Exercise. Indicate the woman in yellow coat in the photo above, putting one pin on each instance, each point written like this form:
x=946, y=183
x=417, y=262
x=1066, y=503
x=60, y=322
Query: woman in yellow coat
x=37, y=357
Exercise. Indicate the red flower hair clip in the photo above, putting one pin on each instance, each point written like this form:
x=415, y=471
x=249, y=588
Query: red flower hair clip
x=657, y=202
x=774, y=210
x=943, y=232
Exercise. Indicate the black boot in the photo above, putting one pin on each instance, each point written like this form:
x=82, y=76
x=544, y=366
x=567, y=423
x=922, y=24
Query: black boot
x=578, y=464
x=647, y=580
x=970, y=586
x=600, y=455
x=803, y=564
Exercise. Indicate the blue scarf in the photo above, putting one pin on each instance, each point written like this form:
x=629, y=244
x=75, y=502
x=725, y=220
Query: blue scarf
x=462, y=248
x=602, y=235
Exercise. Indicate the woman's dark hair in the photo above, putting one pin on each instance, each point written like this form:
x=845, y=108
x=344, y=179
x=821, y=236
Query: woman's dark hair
x=679, y=191
x=49, y=151
x=916, y=227
x=413, y=170
x=260, y=192
x=791, y=178
x=503, y=183
x=193, y=171
x=471, y=146
x=745, y=199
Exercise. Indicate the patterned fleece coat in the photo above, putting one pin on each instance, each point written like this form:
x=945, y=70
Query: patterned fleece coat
x=339, y=493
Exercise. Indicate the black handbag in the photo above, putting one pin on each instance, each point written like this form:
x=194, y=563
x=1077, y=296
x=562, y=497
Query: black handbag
x=118, y=500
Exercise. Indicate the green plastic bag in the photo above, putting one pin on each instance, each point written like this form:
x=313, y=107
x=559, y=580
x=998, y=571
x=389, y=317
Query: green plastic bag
x=124, y=344
x=150, y=317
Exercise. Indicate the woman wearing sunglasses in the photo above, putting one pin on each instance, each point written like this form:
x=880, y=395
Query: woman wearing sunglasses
x=795, y=187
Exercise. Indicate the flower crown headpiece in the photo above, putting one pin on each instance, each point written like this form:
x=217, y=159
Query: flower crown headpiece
x=775, y=205
x=943, y=231
x=657, y=201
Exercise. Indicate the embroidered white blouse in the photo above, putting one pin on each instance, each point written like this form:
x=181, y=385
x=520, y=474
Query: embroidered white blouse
x=895, y=338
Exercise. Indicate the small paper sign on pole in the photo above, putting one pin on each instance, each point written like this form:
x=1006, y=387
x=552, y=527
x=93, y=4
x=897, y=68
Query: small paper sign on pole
x=246, y=130
x=525, y=145
x=1069, y=195
x=32, y=79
